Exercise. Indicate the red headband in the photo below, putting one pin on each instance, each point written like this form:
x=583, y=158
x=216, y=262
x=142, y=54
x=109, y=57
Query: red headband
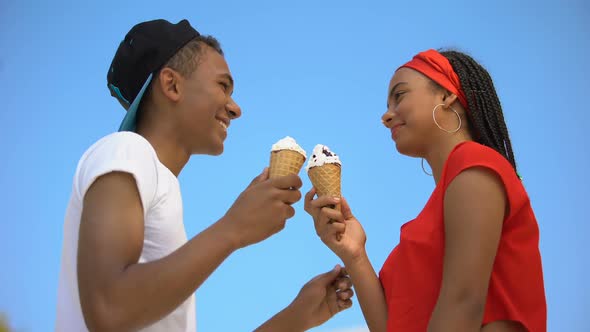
x=438, y=68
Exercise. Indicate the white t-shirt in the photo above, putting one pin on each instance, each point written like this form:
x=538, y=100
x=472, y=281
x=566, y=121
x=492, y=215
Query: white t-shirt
x=163, y=223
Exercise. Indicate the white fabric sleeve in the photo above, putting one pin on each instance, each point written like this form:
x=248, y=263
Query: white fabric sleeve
x=123, y=152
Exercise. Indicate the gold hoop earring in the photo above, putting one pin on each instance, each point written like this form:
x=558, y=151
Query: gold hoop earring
x=441, y=128
x=424, y=169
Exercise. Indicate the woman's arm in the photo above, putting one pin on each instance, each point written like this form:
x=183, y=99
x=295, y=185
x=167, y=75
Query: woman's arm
x=344, y=235
x=474, y=208
x=369, y=293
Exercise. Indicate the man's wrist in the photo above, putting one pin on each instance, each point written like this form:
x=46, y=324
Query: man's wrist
x=287, y=320
x=293, y=320
x=226, y=229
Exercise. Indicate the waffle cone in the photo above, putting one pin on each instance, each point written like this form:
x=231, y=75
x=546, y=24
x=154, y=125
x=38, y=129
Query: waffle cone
x=326, y=180
x=285, y=162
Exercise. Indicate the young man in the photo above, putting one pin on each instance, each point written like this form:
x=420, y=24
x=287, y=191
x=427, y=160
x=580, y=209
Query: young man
x=126, y=261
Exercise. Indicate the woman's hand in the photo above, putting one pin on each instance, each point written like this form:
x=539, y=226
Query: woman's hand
x=339, y=230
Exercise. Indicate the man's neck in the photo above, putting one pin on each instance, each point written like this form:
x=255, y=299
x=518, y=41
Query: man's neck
x=168, y=148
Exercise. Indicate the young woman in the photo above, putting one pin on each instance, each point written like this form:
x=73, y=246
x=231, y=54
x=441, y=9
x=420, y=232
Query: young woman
x=470, y=260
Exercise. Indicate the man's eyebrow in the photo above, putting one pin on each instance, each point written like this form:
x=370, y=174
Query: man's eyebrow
x=228, y=77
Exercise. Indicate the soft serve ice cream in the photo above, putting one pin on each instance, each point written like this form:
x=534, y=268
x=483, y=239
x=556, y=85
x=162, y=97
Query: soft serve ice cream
x=322, y=155
x=324, y=170
x=286, y=157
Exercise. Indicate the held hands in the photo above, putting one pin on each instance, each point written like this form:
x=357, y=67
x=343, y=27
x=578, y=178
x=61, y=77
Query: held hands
x=340, y=231
x=322, y=297
x=319, y=300
x=263, y=208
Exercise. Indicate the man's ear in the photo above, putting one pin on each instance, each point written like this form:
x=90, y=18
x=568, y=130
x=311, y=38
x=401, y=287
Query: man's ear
x=170, y=84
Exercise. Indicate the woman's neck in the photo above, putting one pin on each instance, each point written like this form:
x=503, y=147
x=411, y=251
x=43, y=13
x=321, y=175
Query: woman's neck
x=439, y=153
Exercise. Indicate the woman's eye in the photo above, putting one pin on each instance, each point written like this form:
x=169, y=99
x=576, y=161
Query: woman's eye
x=397, y=95
x=224, y=85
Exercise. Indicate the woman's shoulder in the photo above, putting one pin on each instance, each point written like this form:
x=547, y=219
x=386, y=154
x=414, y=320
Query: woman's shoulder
x=472, y=154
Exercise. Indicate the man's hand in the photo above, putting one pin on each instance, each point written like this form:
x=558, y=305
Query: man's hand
x=263, y=208
x=319, y=300
x=323, y=297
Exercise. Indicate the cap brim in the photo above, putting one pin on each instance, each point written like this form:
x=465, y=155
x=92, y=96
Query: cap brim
x=129, y=122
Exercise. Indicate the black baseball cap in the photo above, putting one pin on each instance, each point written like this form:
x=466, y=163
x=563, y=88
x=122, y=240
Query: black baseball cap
x=146, y=48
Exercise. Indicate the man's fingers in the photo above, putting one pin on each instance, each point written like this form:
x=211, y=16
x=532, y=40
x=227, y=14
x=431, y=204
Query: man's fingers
x=292, y=181
x=260, y=177
x=343, y=272
x=289, y=196
x=344, y=304
x=290, y=212
x=345, y=295
x=343, y=283
x=328, y=278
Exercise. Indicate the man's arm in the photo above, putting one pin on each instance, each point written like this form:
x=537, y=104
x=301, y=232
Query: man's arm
x=116, y=293
x=119, y=294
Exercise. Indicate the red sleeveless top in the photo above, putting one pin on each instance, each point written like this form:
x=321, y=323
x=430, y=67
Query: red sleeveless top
x=412, y=274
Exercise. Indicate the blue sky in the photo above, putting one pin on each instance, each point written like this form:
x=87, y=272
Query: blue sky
x=314, y=70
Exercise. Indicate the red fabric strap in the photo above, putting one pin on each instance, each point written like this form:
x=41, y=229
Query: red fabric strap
x=438, y=68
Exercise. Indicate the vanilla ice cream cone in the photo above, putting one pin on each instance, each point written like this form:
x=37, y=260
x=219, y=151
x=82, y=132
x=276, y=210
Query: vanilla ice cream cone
x=286, y=157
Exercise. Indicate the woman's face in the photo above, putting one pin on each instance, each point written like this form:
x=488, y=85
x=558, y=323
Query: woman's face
x=410, y=101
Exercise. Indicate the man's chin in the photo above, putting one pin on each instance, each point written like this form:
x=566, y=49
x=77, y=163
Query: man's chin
x=211, y=151
x=216, y=151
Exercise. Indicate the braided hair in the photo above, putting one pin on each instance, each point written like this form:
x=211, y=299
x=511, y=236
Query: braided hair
x=485, y=112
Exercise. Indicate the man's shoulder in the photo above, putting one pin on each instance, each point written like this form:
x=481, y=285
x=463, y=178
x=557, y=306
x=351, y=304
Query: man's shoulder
x=120, y=151
x=125, y=152
x=125, y=145
x=122, y=139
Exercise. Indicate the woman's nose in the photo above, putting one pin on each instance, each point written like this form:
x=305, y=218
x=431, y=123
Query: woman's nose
x=387, y=118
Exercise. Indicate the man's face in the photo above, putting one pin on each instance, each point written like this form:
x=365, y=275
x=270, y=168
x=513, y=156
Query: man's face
x=206, y=106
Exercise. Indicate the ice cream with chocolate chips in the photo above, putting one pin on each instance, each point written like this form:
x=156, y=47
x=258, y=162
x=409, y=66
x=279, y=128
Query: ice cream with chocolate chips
x=324, y=170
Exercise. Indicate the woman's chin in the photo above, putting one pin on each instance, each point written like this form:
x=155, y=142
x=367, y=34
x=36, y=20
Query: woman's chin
x=406, y=149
